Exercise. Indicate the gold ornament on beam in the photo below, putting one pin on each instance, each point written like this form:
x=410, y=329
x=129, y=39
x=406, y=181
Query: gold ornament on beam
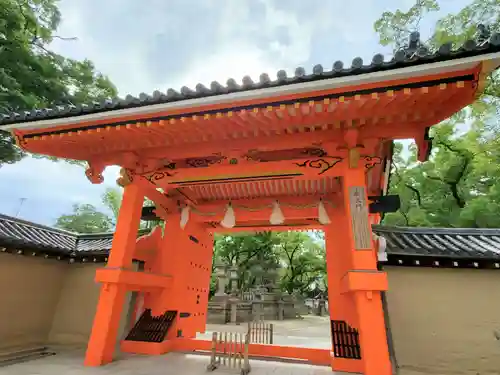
x=353, y=157
x=125, y=178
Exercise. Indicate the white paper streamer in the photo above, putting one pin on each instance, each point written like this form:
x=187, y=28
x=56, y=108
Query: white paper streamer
x=229, y=220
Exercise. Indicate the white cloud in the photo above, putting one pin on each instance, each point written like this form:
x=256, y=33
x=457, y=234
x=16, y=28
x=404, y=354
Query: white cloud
x=224, y=65
x=49, y=188
x=223, y=39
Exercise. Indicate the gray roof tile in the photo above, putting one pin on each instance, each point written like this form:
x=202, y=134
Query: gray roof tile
x=402, y=58
x=474, y=244
x=94, y=243
x=442, y=242
x=20, y=232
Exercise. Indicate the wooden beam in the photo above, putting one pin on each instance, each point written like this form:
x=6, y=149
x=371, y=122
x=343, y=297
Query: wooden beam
x=282, y=141
x=313, y=167
x=293, y=209
x=279, y=141
x=266, y=228
x=162, y=202
x=330, y=199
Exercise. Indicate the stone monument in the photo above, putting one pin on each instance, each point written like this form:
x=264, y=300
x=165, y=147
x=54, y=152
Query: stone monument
x=263, y=301
x=218, y=307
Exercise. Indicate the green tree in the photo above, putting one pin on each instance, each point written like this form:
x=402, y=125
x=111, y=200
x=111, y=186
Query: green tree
x=304, y=262
x=459, y=185
x=33, y=76
x=394, y=29
x=84, y=215
x=298, y=257
x=85, y=218
x=246, y=250
x=112, y=199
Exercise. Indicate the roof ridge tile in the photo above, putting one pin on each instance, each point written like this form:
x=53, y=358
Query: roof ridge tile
x=410, y=55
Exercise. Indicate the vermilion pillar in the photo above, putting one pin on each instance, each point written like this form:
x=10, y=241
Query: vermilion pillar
x=354, y=283
x=186, y=256
x=102, y=340
x=341, y=305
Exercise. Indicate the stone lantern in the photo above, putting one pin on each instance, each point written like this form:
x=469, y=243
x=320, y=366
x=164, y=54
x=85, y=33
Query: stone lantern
x=233, y=276
x=233, y=300
x=258, y=271
x=221, y=274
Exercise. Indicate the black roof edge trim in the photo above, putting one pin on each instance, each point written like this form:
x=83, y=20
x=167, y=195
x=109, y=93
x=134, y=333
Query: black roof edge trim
x=443, y=257
x=432, y=83
x=474, y=47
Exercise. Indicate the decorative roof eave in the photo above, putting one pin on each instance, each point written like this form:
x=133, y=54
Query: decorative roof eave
x=393, y=259
x=285, y=114
x=59, y=255
x=108, y=112
x=447, y=244
x=433, y=247
x=430, y=230
x=21, y=247
x=442, y=257
x=415, y=260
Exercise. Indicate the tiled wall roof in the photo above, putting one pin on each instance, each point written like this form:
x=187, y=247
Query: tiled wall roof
x=21, y=233
x=96, y=242
x=431, y=242
x=442, y=242
x=402, y=58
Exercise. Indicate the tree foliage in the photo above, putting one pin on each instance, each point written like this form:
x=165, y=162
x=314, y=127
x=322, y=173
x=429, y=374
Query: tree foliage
x=245, y=251
x=112, y=199
x=459, y=186
x=297, y=257
x=85, y=218
x=304, y=262
x=33, y=76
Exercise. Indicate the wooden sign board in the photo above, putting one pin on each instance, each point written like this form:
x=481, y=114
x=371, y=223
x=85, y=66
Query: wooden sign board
x=361, y=228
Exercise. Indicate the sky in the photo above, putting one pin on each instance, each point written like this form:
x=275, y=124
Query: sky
x=156, y=44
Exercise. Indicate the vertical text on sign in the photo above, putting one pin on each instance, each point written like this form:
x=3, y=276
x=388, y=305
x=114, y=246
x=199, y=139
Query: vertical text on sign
x=359, y=218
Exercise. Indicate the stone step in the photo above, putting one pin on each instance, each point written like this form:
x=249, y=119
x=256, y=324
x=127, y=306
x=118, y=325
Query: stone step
x=17, y=355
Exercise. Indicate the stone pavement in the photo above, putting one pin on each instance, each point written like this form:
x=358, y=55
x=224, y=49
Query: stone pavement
x=310, y=332
x=71, y=363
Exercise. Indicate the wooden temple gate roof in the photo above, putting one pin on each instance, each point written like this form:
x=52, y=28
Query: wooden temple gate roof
x=280, y=139
x=402, y=59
